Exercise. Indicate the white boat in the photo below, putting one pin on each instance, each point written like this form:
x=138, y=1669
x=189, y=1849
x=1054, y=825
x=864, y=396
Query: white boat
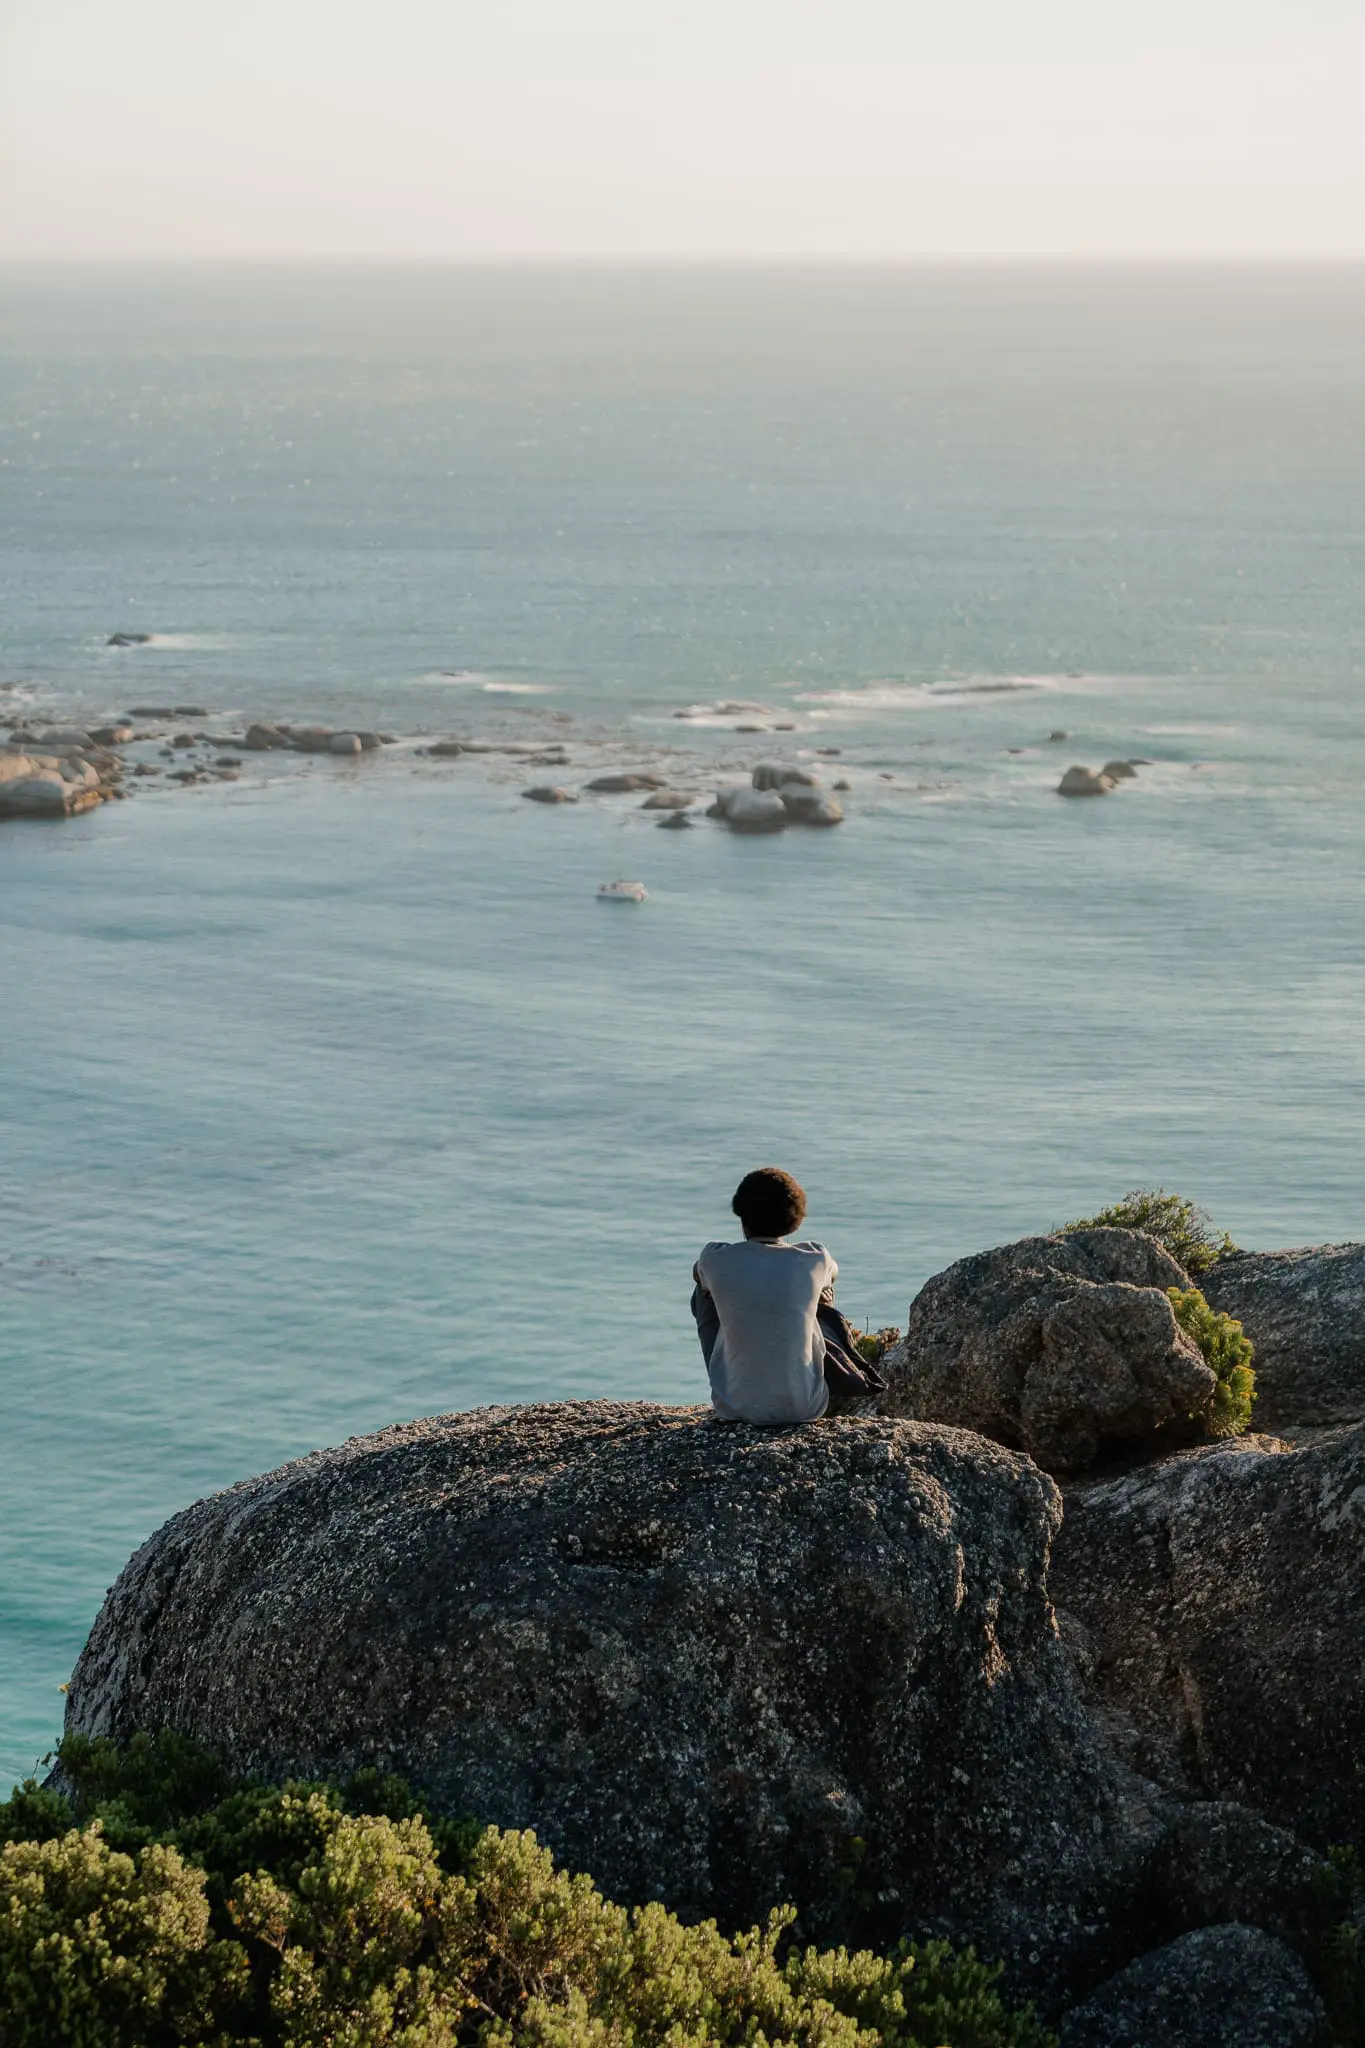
x=621, y=892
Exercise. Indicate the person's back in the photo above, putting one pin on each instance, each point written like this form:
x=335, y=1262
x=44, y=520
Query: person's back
x=757, y=1306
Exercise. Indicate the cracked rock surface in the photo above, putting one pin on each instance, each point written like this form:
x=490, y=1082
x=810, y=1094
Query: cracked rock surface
x=1054, y=1345
x=1216, y=1605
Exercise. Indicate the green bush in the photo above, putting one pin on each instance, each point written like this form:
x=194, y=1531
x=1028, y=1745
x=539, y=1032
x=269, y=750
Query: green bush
x=1186, y=1231
x=1336, y=1946
x=315, y=1916
x=873, y=1345
x=1229, y=1352
x=98, y=1950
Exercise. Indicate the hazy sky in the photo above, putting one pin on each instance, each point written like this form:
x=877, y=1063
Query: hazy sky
x=686, y=127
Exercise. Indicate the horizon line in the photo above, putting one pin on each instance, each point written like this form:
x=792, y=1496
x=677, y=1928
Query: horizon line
x=758, y=259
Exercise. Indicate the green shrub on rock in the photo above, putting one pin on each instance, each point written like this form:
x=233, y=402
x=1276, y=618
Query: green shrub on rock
x=278, y=1918
x=1185, y=1230
x=99, y=1950
x=1229, y=1352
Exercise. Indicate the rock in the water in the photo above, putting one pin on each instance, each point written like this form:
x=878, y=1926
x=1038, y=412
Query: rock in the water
x=1119, y=771
x=260, y=738
x=15, y=766
x=312, y=739
x=128, y=640
x=1304, y=1312
x=153, y=711
x=712, y=1665
x=778, y=774
x=669, y=800
x=1220, y=1604
x=810, y=806
x=1059, y=735
x=622, y=785
x=45, y=794
x=551, y=793
x=675, y=821
x=1054, y=1345
x=1079, y=781
x=345, y=743
x=750, y=810
x=1219, y=1987
x=54, y=739
x=112, y=735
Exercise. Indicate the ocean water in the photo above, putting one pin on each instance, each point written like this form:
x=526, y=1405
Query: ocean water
x=333, y=1097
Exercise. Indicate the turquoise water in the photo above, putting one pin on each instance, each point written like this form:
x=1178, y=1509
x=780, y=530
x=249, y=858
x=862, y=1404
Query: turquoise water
x=335, y=1098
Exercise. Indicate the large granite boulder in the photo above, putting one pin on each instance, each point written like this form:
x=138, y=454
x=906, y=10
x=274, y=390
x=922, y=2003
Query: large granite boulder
x=750, y=810
x=1219, y=1987
x=714, y=1665
x=1304, y=1311
x=1216, y=1606
x=48, y=793
x=1054, y=1345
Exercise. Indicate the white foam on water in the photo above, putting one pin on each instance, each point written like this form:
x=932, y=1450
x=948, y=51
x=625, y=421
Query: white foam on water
x=519, y=689
x=894, y=696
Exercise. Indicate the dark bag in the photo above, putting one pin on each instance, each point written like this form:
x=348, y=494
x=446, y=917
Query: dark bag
x=847, y=1376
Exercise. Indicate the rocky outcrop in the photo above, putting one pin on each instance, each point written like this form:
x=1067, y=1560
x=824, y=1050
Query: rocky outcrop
x=713, y=1665
x=1054, y=1345
x=54, y=785
x=811, y=806
x=1304, y=1312
x=1216, y=1606
x=550, y=793
x=669, y=800
x=750, y=810
x=623, y=785
x=1220, y=1987
x=1080, y=781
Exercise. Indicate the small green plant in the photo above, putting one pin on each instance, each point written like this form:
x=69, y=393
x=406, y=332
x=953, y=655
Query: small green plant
x=873, y=1345
x=1336, y=1946
x=312, y=1916
x=1185, y=1230
x=1229, y=1352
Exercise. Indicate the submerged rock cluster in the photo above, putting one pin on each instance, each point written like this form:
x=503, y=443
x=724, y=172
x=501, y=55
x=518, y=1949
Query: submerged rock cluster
x=882, y=1666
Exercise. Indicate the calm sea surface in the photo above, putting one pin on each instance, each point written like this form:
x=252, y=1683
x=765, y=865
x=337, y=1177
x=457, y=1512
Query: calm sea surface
x=332, y=1098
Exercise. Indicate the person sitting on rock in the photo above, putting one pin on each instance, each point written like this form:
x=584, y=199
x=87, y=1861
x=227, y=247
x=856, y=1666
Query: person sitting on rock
x=776, y=1348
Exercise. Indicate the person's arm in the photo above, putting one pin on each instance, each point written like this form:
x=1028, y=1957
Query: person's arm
x=705, y=1313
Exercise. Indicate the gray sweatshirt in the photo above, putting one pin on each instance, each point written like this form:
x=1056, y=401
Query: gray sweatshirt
x=767, y=1363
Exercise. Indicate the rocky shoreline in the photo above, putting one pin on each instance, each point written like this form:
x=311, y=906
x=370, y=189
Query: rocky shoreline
x=61, y=768
x=1104, y=1725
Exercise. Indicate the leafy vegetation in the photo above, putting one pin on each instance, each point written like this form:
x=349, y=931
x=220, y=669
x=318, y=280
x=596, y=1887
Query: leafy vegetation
x=1185, y=1230
x=873, y=1345
x=1229, y=1352
x=154, y=1903
x=1337, y=1948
